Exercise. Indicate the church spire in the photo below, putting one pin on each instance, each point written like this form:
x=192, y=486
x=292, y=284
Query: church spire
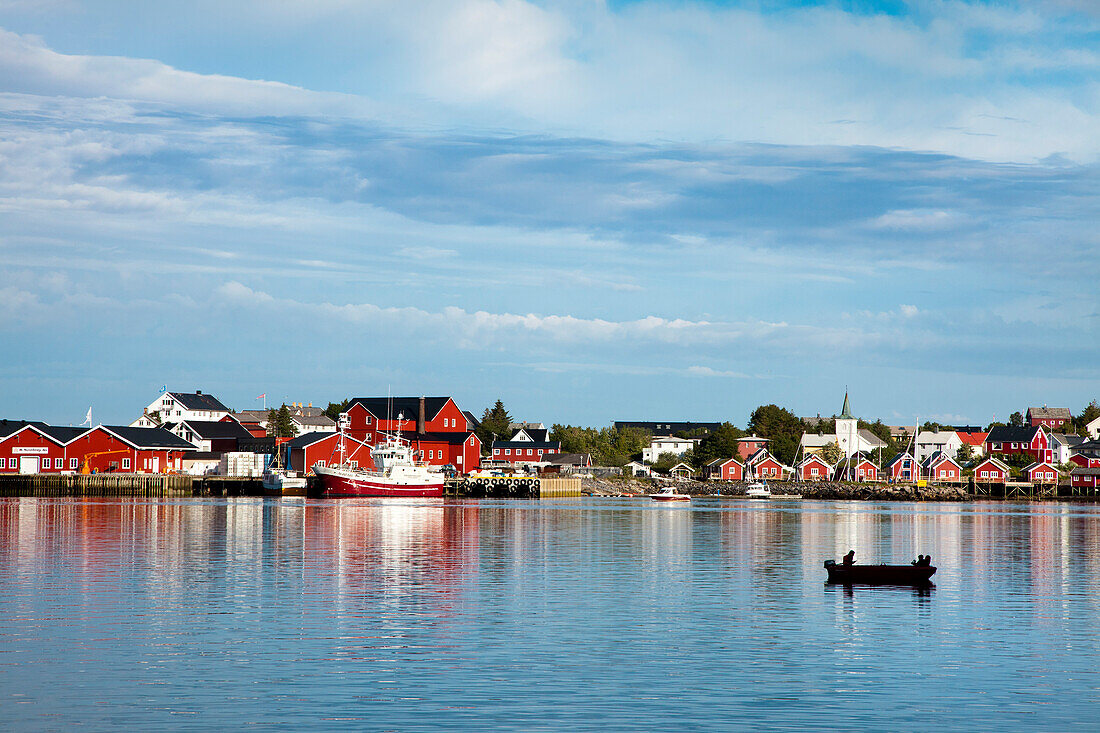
x=846, y=413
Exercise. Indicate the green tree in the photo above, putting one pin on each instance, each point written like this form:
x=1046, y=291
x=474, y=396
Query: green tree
x=494, y=425
x=1090, y=413
x=964, y=453
x=665, y=462
x=722, y=443
x=832, y=453
x=1016, y=420
x=607, y=446
x=879, y=429
x=279, y=424
x=335, y=408
x=781, y=427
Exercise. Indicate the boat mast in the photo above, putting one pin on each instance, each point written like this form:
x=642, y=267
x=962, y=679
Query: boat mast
x=342, y=423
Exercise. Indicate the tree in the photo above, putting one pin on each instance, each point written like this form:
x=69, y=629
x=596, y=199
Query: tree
x=665, y=462
x=607, y=446
x=279, y=424
x=832, y=453
x=1016, y=420
x=781, y=427
x=335, y=408
x=964, y=453
x=1090, y=413
x=722, y=443
x=494, y=425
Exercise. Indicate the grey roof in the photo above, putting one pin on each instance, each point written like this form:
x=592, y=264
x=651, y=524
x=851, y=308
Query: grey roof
x=1010, y=434
x=570, y=459
x=251, y=415
x=306, y=439
x=199, y=401
x=1048, y=413
x=7, y=427
x=1036, y=464
x=995, y=461
x=388, y=408
x=1067, y=439
x=874, y=440
x=471, y=420
x=213, y=429
x=322, y=420
x=149, y=437
x=61, y=433
x=1083, y=471
x=898, y=458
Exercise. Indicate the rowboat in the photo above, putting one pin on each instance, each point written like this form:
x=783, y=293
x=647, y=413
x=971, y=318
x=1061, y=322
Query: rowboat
x=879, y=574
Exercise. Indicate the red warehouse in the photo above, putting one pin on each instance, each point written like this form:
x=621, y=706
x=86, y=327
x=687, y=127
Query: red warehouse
x=729, y=469
x=1031, y=441
x=119, y=448
x=38, y=448
x=1084, y=478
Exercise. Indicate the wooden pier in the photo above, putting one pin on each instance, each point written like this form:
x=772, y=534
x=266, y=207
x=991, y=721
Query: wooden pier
x=150, y=485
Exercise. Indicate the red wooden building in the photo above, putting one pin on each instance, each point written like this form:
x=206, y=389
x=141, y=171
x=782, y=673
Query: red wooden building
x=864, y=470
x=119, y=448
x=305, y=451
x=1085, y=478
x=762, y=464
x=1033, y=441
x=941, y=468
x=439, y=432
x=813, y=468
x=749, y=445
x=524, y=451
x=729, y=469
x=902, y=468
x=1041, y=472
x=992, y=471
x=38, y=448
x=1054, y=418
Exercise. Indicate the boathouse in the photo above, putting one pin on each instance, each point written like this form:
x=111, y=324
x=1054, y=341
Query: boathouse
x=763, y=464
x=1041, y=473
x=310, y=449
x=860, y=469
x=942, y=469
x=1084, y=478
x=728, y=469
x=992, y=471
x=813, y=468
x=902, y=468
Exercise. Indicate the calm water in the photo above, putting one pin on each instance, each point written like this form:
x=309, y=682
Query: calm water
x=554, y=615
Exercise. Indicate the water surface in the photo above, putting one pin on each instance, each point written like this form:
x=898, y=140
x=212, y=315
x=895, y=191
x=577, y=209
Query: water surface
x=612, y=614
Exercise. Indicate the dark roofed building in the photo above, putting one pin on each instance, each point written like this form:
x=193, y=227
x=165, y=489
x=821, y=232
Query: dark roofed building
x=209, y=435
x=664, y=429
x=7, y=427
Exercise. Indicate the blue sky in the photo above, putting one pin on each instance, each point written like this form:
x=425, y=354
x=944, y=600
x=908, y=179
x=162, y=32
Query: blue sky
x=594, y=211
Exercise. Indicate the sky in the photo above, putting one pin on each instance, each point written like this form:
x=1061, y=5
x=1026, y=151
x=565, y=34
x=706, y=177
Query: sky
x=594, y=211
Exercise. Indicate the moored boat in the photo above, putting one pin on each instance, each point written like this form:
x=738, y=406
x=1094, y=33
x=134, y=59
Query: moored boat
x=282, y=481
x=396, y=471
x=879, y=574
x=758, y=490
x=669, y=493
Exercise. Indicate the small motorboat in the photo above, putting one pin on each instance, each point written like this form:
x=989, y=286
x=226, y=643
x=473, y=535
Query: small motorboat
x=669, y=494
x=758, y=490
x=879, y=574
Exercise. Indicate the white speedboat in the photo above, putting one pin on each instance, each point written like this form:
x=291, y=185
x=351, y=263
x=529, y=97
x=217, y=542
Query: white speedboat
x=758, y=490
x=669, y=493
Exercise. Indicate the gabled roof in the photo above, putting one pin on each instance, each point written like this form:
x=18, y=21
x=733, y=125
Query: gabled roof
x=718, y=462
x=472, y=421
x=1082, y=471
x=538, y=435
x=147, y=438
x=1037, y=464
x=1049, y=413
x=1011, y=434
x=547, y=444
x=938, y=458
x=322, y=420
x=7, y=427
x=681, y=466
x=61, y=433
x=198, y=401
x=814, y=458
x=213, y=429
x=974, y=438
x=869, y=437
x=995, y=461
x=307, y=439
x=451, y=438
x=890, y=463
x=1067, y=439
x=388, y=408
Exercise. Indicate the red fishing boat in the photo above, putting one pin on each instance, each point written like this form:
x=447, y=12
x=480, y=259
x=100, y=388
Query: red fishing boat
x=396, y=471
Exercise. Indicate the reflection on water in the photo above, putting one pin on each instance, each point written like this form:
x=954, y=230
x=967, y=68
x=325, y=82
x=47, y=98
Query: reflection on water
x=563, y=615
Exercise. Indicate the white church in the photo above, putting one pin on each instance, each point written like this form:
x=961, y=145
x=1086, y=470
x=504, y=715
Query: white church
x=848, y=436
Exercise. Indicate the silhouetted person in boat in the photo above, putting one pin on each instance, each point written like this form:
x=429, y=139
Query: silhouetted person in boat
x=850, y=558
x=919, y=561
x=927, y=561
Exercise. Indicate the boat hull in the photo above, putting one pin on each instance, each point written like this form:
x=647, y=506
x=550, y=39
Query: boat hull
x=670, y=497
x=345, y=484
x=880, y=574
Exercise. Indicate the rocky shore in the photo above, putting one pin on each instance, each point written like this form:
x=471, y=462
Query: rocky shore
x=815, y=490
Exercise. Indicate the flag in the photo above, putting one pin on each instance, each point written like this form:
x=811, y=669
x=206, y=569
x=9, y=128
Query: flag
x=88, y=417
x=164, y=388
x=262, y=396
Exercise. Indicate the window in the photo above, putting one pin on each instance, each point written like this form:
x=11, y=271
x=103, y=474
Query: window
x=368, y=419
x=125, y=464
x=985, y=474
x=529, y=452
x=507, y=451
x=45, y=463
x=13, y=463
x=813, y=471
x=1014, y=446
x=73, y=463
x=354, y=464
x=320, y=463
x=540, y=454
x=496, y=451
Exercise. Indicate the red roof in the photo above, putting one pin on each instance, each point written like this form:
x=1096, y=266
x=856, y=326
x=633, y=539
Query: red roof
x=972, y=438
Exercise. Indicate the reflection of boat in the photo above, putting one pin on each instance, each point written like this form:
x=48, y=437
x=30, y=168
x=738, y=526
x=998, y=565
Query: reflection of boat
x=395, y=474
x=758, y=490
x=879, y=574
x=669, y=494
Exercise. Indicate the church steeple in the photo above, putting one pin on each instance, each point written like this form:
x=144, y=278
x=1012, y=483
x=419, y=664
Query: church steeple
x=846, y=413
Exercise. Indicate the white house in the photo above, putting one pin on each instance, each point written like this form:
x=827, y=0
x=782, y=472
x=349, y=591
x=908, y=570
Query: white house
x=1093, y=429
x=947, y=442
x=1063, y=445
x=667, y=444
x=177, y=407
